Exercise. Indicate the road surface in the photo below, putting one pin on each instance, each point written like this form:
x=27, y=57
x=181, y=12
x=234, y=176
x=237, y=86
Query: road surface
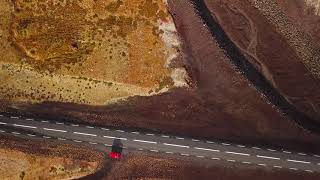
x=159, y=143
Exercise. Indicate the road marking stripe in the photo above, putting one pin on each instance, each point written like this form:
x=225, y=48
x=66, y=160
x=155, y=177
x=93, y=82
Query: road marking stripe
x=14, y=117
x=255, y=148
x=19, y=125
x=288, y=152
x=262, y=164
x=135, y=132
x=214, y=158
x=77, y=141
x=62, y=139
x=32, y=135
x=302, y=154
x=1, y=115
x=90, y=127
x=75, y=125
x=3, y=123
x=46, y=137
x=268, y=157
x=108, y=145
x=120, y=131
x=153, y=150
x=150, y=134
x=169, y=152
x=200, y=156
x=164, y=136
x=315, y=155
x=205, y=149
x=150, y=142
x=112, y=137
x=236, y=153
x=295, y=169
x=105, y=129
x=85, y=134
x=242, y=146
x=93, y=143
x=29, y=119
x=2, y=131
x=231, y=160
x=195, y=140
x=56, y=130
x=210, y=142
x=296, y=161
x=15, y=132
x=307, y=170
x=184, y=154
x=246, y=162
x=59, y=123
x=272, y=150
x=176, y=145
x=277, y=166
x=180, y=138
x=45, y=121
x=225, y=144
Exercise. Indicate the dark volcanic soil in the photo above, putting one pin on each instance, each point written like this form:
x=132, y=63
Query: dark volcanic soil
x=222, y=105
x=149, y=167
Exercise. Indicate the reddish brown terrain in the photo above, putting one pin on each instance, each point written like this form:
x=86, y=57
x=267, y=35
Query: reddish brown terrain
x=222, y=104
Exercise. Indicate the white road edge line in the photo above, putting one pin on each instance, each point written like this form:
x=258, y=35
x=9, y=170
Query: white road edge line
x=176, y=145
x=19, y=125
x=268, y=157
x=231, y=160
x=85, y=134
x=169, y=152
x=56, y=130
x=296, y=161
x=205, y=149
x=75, y=125
x=150, y=142
x=236, y=153
x=150, y=134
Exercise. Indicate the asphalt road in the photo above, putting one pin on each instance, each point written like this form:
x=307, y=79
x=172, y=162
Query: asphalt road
x=159, y=143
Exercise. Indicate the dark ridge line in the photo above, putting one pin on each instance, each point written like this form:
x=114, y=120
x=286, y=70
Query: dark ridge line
x=250, y=72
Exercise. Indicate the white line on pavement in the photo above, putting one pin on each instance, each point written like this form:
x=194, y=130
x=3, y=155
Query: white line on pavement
x=105, y=129
x=14, y=117
x=256, y=148
x=225, y=144
x=295, y=169
x=135, y=132
x=210, y=142
x=176, y=145
x=46, y=137
x=153, y=150
x=214, y=158
x=185, y=154
x=272, y=150
x=150, y=142
x=56, y=130
x=302, y=154
x=59, y=123
x=268, y=157
x=90, y=127
x=2, y=131
x=3, y=123
x=231, y=160
x=315, y=155
x=180, y=138
x=19, y=125
x=296, y=161
x=288, y=152
x=112, y=137
x=164, y=136
x=205, y=149
x=277, y=166
x=262, y=164
x=120, y=131
x=242, y=146
x=237, y=153
x=75, y=125
x=32, y=135
x=29, y=119
x=150, y=134
x=45, y=121
x=195, y=140
x=85, y=134
x=1, y=115
x=62, y=139
x=77, y=141
x=246, y=162
x=15, y=132
x=200, y=156
x=307, y=170
x=169, y=152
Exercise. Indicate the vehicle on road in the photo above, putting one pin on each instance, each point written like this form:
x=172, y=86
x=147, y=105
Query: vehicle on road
x=116, y=149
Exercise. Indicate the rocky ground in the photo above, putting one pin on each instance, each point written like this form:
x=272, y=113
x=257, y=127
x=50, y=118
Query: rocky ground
x=39, y=159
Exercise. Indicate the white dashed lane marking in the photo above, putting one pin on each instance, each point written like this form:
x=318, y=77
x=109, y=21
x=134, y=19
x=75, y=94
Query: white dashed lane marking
x=55, y=130
x=77, y=141
x=105, y=129
x=231, y=160
x=85, y=134
x=59, y=123
x=246, y=162
x=94, y=143
x=75, y=125
x=143, y=141
x=287, y=152
x=184, y=154
x=14, y=117
x=226, y=144
x=164, y=136
x=180, y=138
x=168, y=152
x=19, y=125
x=237, y=153
x=272, y=150
x=32, y=135
x=2, y=131
x=268, y=157
x=153, y=150
x=112, y=137
x=176, y=145
x=209, y=142
x=295, y=169
x=29, y=119
x=45, y=121
x=150, y=134
x=302, y=154
x=241, y=146
x=61, y=139
x=278, y=167
x=195, y=140
x=262, y=164
x=46, y=137
x=135, y=132
x=256, y=148
x=205, y=149
x=15, y=133
x=89, y=127
x=296, y=161
x=200, y=156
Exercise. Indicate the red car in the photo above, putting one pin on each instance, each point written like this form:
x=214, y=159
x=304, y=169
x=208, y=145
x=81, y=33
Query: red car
x=116, y=149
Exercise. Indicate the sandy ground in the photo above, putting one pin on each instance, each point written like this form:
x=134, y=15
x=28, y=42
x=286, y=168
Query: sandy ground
x=114, y=49
x=24, y=159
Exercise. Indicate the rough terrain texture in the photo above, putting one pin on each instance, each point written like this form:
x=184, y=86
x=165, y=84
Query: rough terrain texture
x=222, y=105
x=67, y=51
x=152, y=167
x=25, y=159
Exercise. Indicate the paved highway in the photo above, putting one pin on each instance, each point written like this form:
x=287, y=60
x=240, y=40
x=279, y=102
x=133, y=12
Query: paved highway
x=159, y=143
